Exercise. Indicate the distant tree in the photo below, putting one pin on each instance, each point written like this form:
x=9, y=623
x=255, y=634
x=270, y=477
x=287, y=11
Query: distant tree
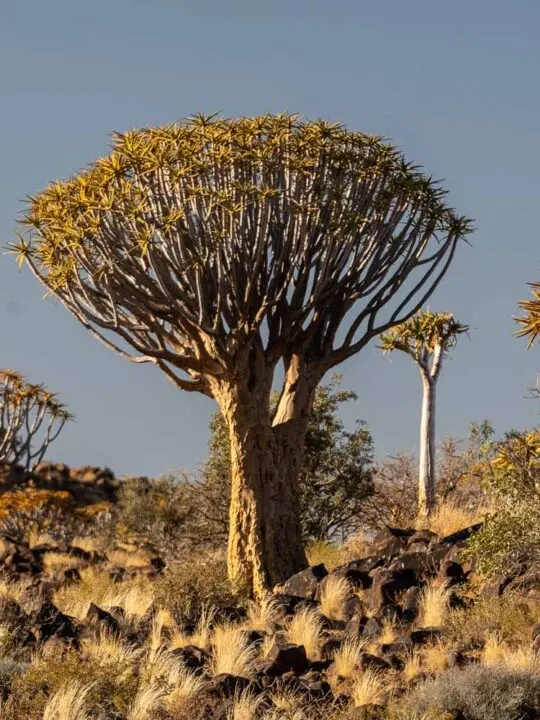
x=217, y=249
x=426, y=338
x=334, y=479
x=31, y=418
x=530, y=321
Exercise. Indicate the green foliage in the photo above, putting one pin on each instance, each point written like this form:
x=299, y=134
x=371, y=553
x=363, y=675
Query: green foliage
x=510, y=538
x=335, y=476
x=424, y=332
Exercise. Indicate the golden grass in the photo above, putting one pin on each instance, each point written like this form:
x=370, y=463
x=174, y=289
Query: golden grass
x=148, y=699
x=75, y=599
x=202, y=636
x=449, y=517
x=497, y=652
x=125, y=559
x=12, y=591
x=413, y=666
x=434, y=605
x=68, y=703
x=231, y=651
x=263, y=615
x=90, y=544
x=322, y=551
x=368, y=689
x=286, y=700
x=134, y=598
x=435, y=658
x=388, y=633
x=305, y=629
x=108, y=649
x=244, y=706
x=336, y=591
x=55, y=561
x=347, y=657
x=34, y=539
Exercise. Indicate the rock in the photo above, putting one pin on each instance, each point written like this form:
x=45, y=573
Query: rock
x=457, y=659
x=305, y=583
x=225, y=685
x=49, y=621
x=285, y=658
x=451, y=572
x=402, y=646
x=372, y=628
x=411, y=603
x=357, y=572
x=461, y=535
x=389, y=542
x=355, y=626
x=286, y=603
x=421, y=536
x=411, y=561
x=98, y=616
x=193, y=658
x=374, y=662
x=425, y=635
x=387, y=584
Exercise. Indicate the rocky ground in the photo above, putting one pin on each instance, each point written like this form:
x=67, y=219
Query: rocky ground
x=90, y=629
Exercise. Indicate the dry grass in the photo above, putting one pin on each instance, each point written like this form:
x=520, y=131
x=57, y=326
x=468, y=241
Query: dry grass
x=68, y=703
x=202, y=636
x=75, y=599
x=368, y=689
x=55, y=561
x=347, y=658
x=434, y=605
x=448, y=518
x=388, y=633
x=34, y=539
x=231, y=651
x=107, y=649
x=124, y=559
x=413, y=666
x=322, y=551
x=244, y=707
x=263, y=615
x=90, y=544
x=12, y=591
x=335, y=593
x=135, y=599
x=497, y=652
x=435, y=658
x=146, y=703
x=305, y=629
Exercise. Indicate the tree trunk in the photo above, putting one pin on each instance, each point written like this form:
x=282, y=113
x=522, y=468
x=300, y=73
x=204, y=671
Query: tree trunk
x=265, y=539
x=426, y=478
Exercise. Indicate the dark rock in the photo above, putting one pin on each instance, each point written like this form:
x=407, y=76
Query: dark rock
x=286, y=603
x=372, y=628
x=355, y=626
x=388, y=584
x=330, y=647
x=191, y=657
x=97, y=615
x=285, y=658
x=425, y=635
x=304, y=584
x=357, y=572
x=461, y=535
x=411, y=603
x=452, y=572
x=402, y=646
x=225, y=685
x=321, y=666
x=457, y=659
x=421, y=536
x=374, y=662
x=411, y=561
x=49, y=621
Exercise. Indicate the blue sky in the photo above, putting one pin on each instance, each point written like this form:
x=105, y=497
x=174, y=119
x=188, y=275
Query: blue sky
x=455, y=85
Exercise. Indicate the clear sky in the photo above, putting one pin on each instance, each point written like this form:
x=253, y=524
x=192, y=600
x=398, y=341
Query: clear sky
x=454, y=84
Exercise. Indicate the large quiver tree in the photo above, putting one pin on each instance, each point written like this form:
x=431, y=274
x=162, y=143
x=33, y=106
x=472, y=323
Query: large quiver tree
x=217, y=249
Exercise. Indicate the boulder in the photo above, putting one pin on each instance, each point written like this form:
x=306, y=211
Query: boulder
x=305, y=583
x=281, y=659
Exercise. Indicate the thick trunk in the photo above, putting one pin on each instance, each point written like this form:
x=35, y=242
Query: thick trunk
x=426, y=479
x=265, y=539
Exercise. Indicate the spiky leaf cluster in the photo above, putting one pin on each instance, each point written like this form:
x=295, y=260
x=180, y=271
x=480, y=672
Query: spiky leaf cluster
x=531, y=320
x=31, y=418
x=423, y=334
x=186, y=238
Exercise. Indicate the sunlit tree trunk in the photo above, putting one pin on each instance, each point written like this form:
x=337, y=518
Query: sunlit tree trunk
x=426, y=477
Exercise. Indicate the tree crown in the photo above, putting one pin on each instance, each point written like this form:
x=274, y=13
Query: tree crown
x=424, y=333
x=531, y=320
x=186, y=238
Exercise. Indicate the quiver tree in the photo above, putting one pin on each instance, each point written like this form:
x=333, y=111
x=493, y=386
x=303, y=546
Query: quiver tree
x=426, y=337
x=31, y=418
x=217, y=249
x=530, y=321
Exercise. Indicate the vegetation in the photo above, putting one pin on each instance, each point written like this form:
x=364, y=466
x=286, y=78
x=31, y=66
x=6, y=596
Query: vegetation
x=426, y=338
x=31, y=418
x=217, y=249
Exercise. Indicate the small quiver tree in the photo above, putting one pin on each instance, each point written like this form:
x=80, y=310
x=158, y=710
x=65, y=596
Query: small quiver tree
x=530, y=321
x=426, y=338
x=217, y=249
x=31, y=418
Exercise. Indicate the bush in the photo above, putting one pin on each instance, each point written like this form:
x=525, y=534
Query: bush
x=186, y=588
x=509, y=542
x=480, y=693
